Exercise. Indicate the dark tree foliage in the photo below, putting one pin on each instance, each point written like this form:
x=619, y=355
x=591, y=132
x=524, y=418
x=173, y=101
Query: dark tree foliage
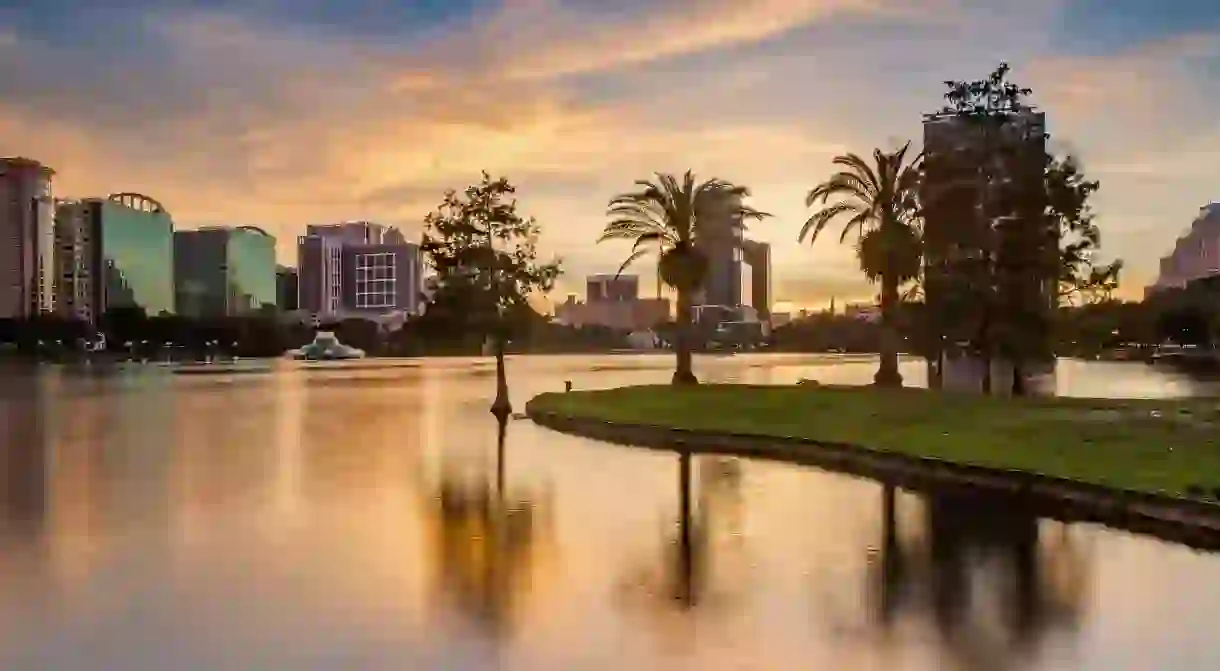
x=672, y=217
x=1005, y=255
x=1081, y=276
x=1010, y=233
x=880, y=204
x=486, y=261
x=485, y=257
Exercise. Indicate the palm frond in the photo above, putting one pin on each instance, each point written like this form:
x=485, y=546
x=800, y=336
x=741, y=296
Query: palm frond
x=815, y=224
x=632, y=258
x=856, y=224
x=860, y=167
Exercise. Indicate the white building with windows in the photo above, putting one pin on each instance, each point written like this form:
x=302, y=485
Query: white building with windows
x=1195, y=255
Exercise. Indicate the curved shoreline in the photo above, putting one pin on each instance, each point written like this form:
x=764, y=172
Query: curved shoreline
x=1192, y=523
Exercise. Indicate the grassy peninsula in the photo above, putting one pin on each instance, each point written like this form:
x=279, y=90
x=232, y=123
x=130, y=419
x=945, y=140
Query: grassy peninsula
x=1168, y=447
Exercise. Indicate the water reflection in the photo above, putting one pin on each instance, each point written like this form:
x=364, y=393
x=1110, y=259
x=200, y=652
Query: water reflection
x=360, y=517
x=487, y=541
x=983, y=572
x=23, y=451
x=697, y=553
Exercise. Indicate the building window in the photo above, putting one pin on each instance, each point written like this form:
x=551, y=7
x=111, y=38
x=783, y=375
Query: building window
x=376, y=281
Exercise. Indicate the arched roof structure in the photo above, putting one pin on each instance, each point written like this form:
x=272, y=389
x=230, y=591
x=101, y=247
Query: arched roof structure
x=138, y=201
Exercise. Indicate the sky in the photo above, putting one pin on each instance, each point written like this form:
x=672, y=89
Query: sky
x=282, y=113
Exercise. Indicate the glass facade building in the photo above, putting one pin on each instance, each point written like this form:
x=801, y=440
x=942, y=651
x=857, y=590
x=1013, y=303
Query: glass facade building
x=224, y=271
x=251, y=271
x=134, y=258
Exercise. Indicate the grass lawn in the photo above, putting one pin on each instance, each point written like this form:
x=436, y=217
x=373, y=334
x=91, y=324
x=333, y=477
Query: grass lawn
x=1149, y=446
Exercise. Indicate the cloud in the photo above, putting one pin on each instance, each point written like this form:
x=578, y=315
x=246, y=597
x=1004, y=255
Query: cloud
x=560, y=42
x=238, y=116
x=1142, y=119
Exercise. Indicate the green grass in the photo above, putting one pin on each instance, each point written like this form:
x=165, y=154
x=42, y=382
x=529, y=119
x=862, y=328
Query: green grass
x=1149, y=446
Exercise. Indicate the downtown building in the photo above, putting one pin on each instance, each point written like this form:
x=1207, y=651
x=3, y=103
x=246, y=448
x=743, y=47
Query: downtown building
x=738, y=273
x=114, y=252
x=613, y=301
x=358, y=269
x=1195, y=254
x=286, y=289
x=224, y=272
x=27, y=239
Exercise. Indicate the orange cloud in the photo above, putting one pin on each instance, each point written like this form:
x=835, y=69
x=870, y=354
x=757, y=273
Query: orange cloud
x=563, y=42
x=277, y=127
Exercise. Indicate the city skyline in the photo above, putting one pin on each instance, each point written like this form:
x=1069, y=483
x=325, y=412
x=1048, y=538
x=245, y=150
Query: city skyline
x=281, y=117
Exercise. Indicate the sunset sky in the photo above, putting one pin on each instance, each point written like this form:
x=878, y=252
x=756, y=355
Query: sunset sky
x=282, y=113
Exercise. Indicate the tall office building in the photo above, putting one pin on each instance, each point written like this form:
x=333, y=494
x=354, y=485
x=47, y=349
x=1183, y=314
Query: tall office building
x=114, y=252
x=27, y=238
x=74, y=261
x=286, y=288
x=220, y=271
x=721, y=240
x=361, y=268
x=1195, y=255
x=757, y=255
x=612, y=288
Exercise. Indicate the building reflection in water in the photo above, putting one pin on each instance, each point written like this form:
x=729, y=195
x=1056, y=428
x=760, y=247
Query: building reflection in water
x=23, y=455
x=488, y=542
x=983, y=571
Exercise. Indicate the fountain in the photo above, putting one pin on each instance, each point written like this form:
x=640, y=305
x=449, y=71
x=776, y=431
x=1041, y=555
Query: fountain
x=326, y=347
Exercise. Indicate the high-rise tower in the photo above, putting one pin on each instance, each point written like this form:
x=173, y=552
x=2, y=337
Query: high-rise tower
x=27, y=239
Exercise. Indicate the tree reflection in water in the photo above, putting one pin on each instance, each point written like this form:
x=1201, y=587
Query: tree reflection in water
x=486, y=544
x=705, y=525
x=974, y=551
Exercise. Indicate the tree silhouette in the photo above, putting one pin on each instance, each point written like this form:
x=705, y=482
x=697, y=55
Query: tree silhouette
x=881, y=207
x=671, y=217
x=486, y=253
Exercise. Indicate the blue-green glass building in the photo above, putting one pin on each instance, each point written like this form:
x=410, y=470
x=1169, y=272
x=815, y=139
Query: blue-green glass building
x=131, y=248
x=224, y=271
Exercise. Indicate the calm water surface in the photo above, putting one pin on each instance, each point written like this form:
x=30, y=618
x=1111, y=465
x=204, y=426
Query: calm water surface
x=362, y=517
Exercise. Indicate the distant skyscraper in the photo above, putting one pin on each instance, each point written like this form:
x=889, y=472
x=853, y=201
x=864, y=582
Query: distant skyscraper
x=27, y=238
x=1195, y=255
x=115, y=252
x=721, y=240
x=221, y=271
x=757, y=255
x=358, y=267
x=286, y=288
x=612, y=288
x=74, y=261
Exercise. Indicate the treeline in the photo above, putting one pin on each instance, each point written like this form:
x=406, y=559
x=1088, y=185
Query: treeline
x=1189, y=316
x=130, y=333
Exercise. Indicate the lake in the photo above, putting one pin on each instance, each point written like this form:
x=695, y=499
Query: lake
x=361, y=516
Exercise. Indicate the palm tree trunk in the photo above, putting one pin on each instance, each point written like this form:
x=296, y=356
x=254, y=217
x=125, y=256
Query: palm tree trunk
x=501, y=407
x=684, y=373
x=887, y=373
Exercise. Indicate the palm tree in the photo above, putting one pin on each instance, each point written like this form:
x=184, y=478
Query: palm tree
x=670, y=216
x=883, y=212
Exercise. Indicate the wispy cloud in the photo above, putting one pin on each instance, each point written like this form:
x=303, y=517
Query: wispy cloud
x=239, y=116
